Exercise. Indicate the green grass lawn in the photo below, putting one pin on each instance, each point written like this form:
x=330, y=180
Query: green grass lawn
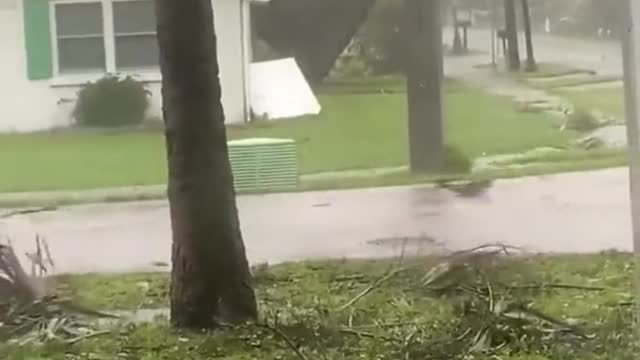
x=358, y=128
x=609, y=101
x=403, y=317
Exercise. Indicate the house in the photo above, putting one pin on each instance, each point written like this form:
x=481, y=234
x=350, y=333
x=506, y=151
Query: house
x=50, y=48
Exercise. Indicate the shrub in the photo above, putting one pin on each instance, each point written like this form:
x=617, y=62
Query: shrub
x=384, y=44
x=456, y=161
x=582, y=120
x=382, y=41
x=111, y=101
x=350, y=66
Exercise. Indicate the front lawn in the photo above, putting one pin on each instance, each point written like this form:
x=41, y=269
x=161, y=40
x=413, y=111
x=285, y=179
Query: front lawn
x=609, y=101
x=360, y=127
x=323, y=311
x=360, y=131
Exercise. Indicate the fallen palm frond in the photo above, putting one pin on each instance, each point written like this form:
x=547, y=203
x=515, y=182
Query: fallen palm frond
x=29, y=311
x=493, y=312
x=371, y=288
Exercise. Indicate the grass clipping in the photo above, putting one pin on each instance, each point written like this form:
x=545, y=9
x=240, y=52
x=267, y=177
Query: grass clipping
x=29, y=310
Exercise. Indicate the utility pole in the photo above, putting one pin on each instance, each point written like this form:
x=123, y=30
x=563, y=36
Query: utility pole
x=631, y=62
x=424, y=67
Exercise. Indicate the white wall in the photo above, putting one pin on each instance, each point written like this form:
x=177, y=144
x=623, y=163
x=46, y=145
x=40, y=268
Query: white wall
x=38, y=105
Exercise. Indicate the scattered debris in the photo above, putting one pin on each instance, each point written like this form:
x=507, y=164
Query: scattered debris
x=494, y=313
x=614, y=137
x=514, y=161
x=466, y=188
x=272, y=101
x=30, y=312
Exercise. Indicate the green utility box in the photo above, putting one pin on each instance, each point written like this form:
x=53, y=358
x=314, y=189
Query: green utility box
x=260, y=164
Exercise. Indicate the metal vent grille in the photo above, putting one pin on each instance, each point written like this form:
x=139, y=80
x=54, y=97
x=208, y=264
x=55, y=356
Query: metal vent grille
x=264, y=164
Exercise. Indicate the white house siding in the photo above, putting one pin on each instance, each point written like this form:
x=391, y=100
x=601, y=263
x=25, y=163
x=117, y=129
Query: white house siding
x=27, y=105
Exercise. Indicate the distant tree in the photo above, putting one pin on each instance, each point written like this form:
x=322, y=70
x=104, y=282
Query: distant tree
x=513, y=56
x=315, y=32
x=458, y=48
x=423, y=34
x=210, y=278
x=526, y=16
x=382, y=39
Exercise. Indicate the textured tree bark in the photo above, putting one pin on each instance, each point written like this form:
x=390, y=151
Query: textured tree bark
x=210, y=280
x=526, y=15
x=513, y=58
x=424, y=69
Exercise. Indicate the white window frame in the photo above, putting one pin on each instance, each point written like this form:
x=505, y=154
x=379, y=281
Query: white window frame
x=147, y=74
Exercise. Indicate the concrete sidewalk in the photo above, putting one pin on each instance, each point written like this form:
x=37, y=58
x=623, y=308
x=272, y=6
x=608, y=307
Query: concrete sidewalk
x=157, y=192
x=572, y=213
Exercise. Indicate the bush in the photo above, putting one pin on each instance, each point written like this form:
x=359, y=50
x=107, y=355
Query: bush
x=349, y=67
x=456, y=161
x=112, y=101
x=582, y=120
x=382, y=41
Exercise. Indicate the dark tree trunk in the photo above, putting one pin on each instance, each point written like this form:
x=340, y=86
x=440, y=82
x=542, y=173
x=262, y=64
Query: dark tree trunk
x=315, y=32
x=423, y=31
x=526, y=16
x=513, y=55
x=210, y=280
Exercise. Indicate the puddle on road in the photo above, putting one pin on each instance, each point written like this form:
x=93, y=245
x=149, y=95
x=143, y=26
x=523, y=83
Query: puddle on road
x=467, y=189
x=400, y=246
x=405, y=241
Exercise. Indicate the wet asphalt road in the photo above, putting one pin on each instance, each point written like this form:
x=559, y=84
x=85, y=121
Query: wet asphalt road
x=575, y=213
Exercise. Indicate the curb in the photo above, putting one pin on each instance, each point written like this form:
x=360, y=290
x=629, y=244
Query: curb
x=60, y=198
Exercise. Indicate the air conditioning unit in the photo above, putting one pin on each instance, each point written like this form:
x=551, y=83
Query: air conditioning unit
x=260, y=164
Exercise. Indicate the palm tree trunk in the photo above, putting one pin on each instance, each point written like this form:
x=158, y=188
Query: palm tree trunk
x=531, y=60
x=210, y=280
x=513, y=56
x=424, y=71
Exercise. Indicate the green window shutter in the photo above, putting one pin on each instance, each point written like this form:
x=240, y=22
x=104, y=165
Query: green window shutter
x=37, y=34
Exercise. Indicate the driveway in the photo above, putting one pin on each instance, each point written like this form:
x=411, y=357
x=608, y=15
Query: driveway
x=571, y=213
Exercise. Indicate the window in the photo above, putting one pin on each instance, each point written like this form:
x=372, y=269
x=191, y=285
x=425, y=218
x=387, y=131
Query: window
x=105, y=36
x=80, y=37
x=134, y=26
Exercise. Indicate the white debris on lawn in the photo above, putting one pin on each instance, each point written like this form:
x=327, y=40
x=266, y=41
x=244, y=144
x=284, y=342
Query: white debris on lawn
x=613, y=136
x=513, y=161
x=279, y=90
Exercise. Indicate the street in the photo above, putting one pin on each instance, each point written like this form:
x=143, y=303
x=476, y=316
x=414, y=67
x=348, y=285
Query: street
x=569, y=213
